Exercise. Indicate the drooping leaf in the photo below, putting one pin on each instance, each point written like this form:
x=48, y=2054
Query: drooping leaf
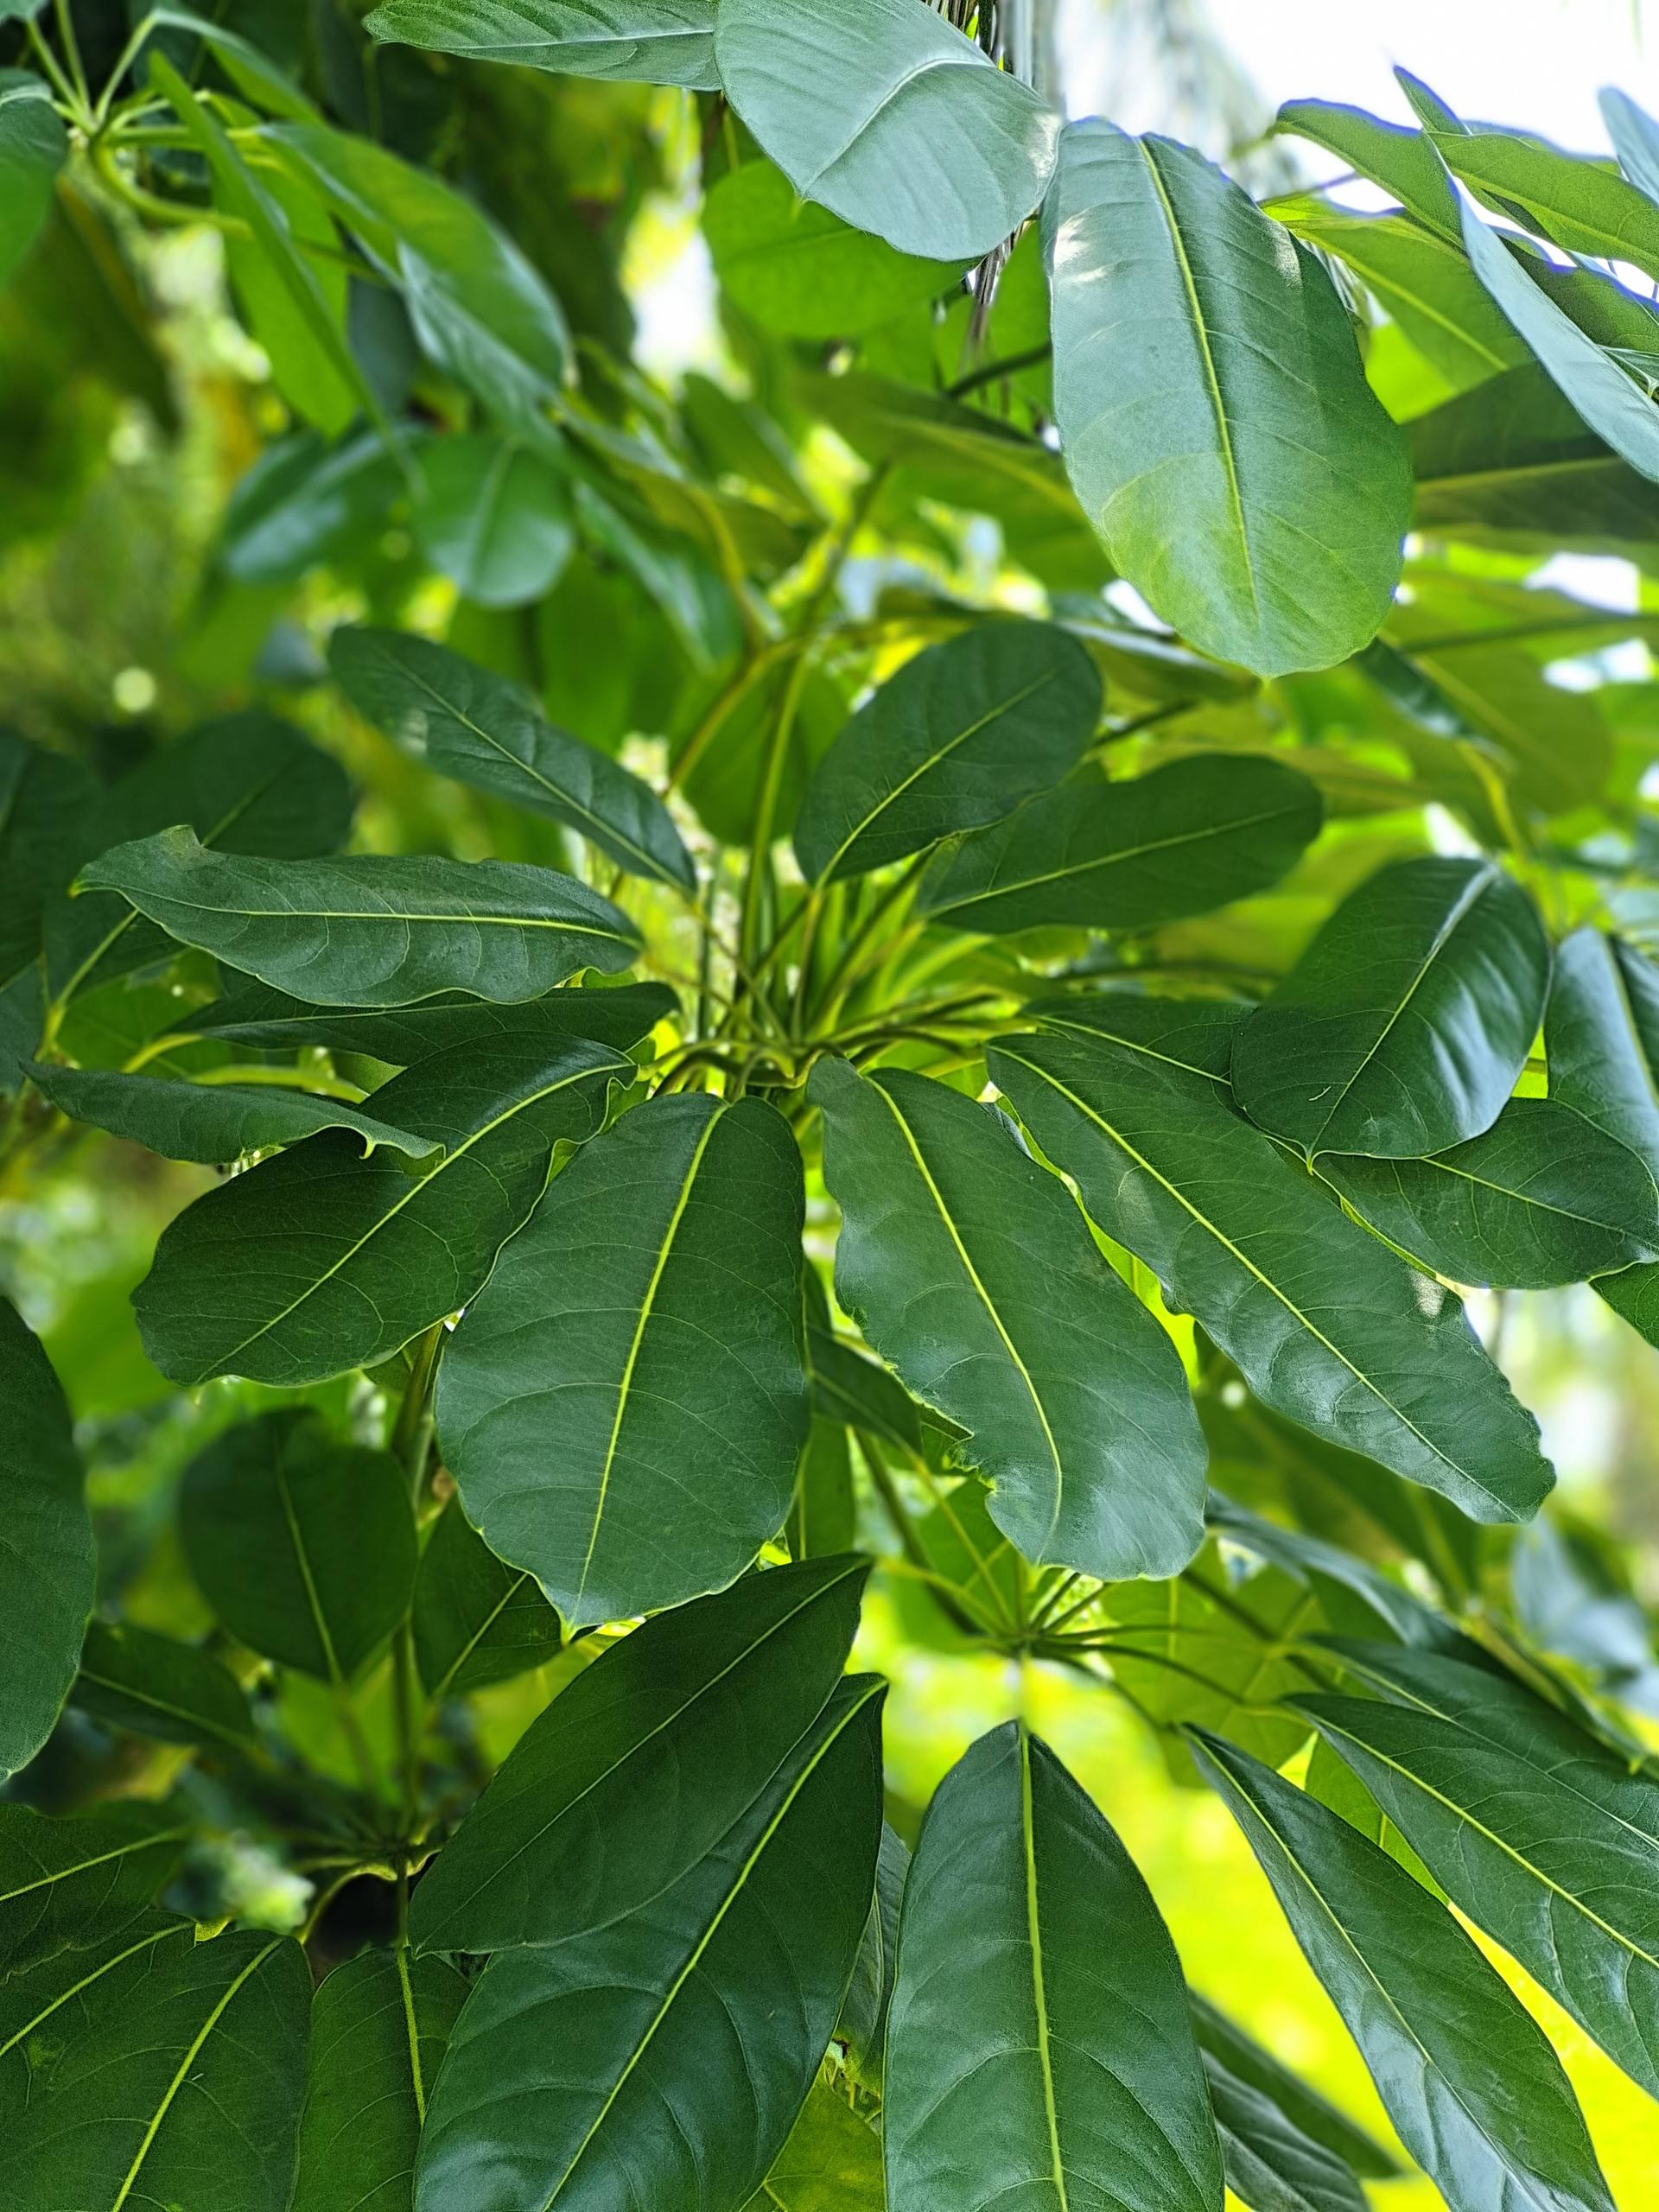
x=1539, y=1201
x=639, y=1766
x=1636, y=139
x=303, y=1545
x=653, y=1307
x=47, y=1559
x=493, y=516
x=1326, y=1325
x=1580, y=205
x=152, y=1686
x=1271, y=2166
x=1535, y=1831
x=272, y=1022
x=710, y=2006
x=831, y=2162
x=465, y=723
x=63, y=1883
x=1038, y=2048
x=1403, y=1026
x=1215, y=418
x=34, y=146
x=475, y=1620
x=891, y=119
x=186, y=2089
x=1474, y=2089
x=967, y=1266
x=955, y=740
x=1601, y=1034
x=799, y=269
x=647, y=41
x=298, y=318
x=1191, y=836
x=1228, y=2048
x=357, y=1255
x=1392, y=155
x=380, y=2025
x=372, y=930
x=211, y=1122
x=863, y=2023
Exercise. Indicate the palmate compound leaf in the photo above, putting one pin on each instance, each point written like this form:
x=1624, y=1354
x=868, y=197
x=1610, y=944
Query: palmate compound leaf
x=380, y=2025
x=1474, y=2089
x=1536, y=1832
x=636, y=1771
x=955, y=740
x=180, y=2085
x=1190, y=837
x=273, y=1021
x=1402, y=1028
x=1325, y=1325
x=319, y=1261
x=210, y=1123
x=465, y=721
x=1039, y=2047
x=64, y=1882
x=303, y=1545
x=1213, y=411
x=642, y=41
x=371, y=929
x=47, y=1566
x=968, y=1267
x=689, y=2029
x=623, y=1406
x=475, y=1619
x=891, y=118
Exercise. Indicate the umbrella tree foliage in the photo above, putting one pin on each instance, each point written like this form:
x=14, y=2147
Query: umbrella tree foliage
x=837, y=1041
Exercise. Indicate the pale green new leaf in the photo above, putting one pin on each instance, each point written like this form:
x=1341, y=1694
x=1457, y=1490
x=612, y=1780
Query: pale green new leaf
x=646, y=41
x=210, y=1123
x=46, y=1562
x=831, y=2162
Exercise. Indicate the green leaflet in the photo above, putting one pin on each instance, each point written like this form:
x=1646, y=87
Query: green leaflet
x=1477, y=2094
x=1636, y=139
x=465, y=723
x=1229, y=2051
x=1403, y=1026
x=653, y=1308
x=862, y=2025
x=1535, y=1831
x=1270, y=2165
x=1577, y=204
x=34, y=146
x=303, y=1545
x=1539, y=1201
x=1326, y=1325
x=798, y=268
x=713, y=2005
x=379, y=2027
x=400, y=1036
x=304, y=501
x=48, y=2000
x=62, y=1883
x=211, y=1122
x=475, y=1620
x=1392, y=155
x=183, y=2088
x=956, y=740
x=848, y=1387
x=890, y=118
x=1192, y=1036
x=1039, y=2049
x=372, y=930
x=494, y=515
x=151, y=1686
x=1215, y=418
x=652, y=41
x=1191, y=836
x=359, y=1256
x=831, y=2162
x=44, y=803
x=47, y=1559
x=636, y=1771
x=967, y=1266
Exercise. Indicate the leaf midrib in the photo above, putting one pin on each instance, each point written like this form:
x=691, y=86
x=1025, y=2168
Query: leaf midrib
x=1122, y=858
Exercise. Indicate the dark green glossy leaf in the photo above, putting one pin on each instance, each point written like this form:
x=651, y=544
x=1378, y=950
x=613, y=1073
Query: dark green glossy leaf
x=463, y=721
x=211, y=1123
x=43, y=2003
x=888, y=116
x=862, y=2026
x=1403, y=1026
x=372, y=930
x=1192, y=1036
x=476, y=1620
x=849, y=1387
x=1038, y=2048
x=1538, y=1201
x=1601, y=1038
x=1213, y=411
x=1535, y=1830
x=357, y=1256
x=380, y=2025
x=823, y=1517
x=831, y=2162
x=303, y=1545
x=494, y=517
x=1312, y=2115
x=1325, y=1325
x=620, y=1789
x=1191, y=836
x=1270, y=2165
x=653, y=1308
x=707, y=2009
x=46, y=1560
x=184, y=2089
x=967, y=1266
x=1477, y=2094
x=648, y=42
x=274, y=1022
x=34, y=146
x=62, y=1883
x=152, y=1686
x=956, y=740
x=798, y=268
